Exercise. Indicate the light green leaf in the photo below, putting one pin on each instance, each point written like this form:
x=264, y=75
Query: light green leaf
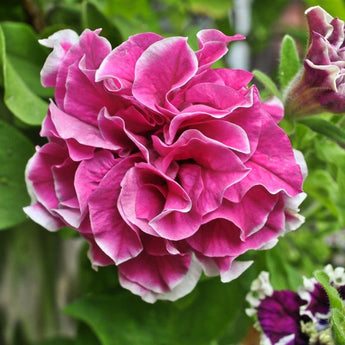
x=15, y=151
x=283, y=275
x=338, y=326
x=324, y=127
x=23, y=103
x=267, y=82
x=334, y=156
x=321, y=186
x=289, y=61
x=128, y=9
x=26, y=55
x=18, y=97
x=215, y=9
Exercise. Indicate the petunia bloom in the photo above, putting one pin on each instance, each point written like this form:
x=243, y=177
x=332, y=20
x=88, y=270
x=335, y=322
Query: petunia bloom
x=321, y=85
x=294, y=318
x=166, y=166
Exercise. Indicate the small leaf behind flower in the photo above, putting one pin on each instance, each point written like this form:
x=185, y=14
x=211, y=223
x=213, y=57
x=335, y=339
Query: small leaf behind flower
x=93, y=18
x=324, y=127
x=18, y=96
x=289, y=61
x=267, y=82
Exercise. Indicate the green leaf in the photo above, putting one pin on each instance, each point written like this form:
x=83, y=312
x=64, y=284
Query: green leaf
x=26, y=55
x=128, y=9
x=289, y=61
x=123, y=319
x=338, y=326
x=15, y=151
x=18, y=97
x=215, y=9
x=23, y=103
x=321, y=186
x=267, y=82
x=332, y=293
x=324, y=127
x=334, y=156
x=93, y=18
x=283, y=275
x=85, y=336
x=63, y=15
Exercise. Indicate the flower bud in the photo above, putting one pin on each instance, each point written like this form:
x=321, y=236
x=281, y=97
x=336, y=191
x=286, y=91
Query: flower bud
x=320, y=86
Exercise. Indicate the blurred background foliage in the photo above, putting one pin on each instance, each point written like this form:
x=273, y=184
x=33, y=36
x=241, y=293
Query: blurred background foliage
x=49, y=295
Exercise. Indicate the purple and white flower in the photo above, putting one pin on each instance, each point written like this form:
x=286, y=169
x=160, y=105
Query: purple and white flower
x=294, y=318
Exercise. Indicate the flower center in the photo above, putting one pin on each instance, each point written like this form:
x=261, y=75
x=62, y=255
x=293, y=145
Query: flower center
x=317, y=337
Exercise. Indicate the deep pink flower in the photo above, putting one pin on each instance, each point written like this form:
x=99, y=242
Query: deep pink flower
x=321, y=85
x=166, y=166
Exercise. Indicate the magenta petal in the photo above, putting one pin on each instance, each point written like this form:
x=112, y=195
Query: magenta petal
x=84, y=99
x=157, y=204
x=83, y=133
x=118, y=240
x=158, y=274
x=213, y=45
x=164, y=66
x=268, y=167
x=50, y=174
x=220, y=167
x=61, y=42
x=274, y=107
x=41, y=216
x=215, y=96
x=96, y=255
x=219, y=237
x=251, y=214
x=226, y=267
x=93, y=47
x=235, y=78
x=90, y=173
x=63, y=175
x=39, y=172
x=114, y=130
x=117, y=69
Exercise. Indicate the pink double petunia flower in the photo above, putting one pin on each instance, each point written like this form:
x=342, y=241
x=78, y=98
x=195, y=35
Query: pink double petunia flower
x=166, y=166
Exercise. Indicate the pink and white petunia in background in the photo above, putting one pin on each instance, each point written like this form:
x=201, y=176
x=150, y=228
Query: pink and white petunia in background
x=169, y=168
